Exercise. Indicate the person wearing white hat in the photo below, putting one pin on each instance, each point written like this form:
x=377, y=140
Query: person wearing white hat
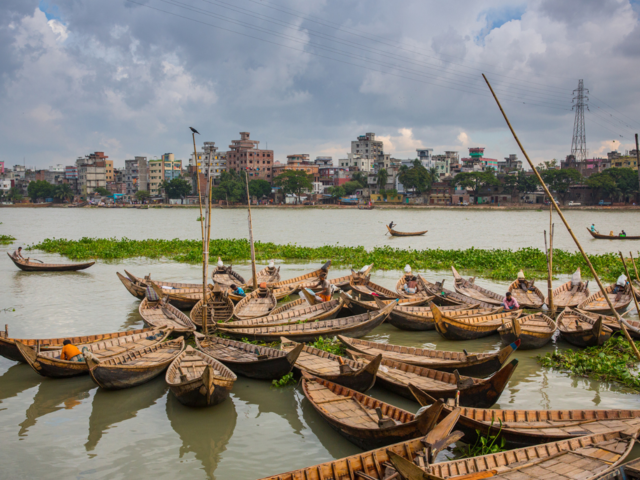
x=523, y=283
x=410, y=281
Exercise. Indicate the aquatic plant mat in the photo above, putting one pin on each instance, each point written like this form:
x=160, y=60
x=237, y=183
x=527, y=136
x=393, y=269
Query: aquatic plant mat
x=498, y=264
x=6, y=239
x=612, y=362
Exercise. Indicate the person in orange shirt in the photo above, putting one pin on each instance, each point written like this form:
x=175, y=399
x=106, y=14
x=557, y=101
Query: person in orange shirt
x=71, y=352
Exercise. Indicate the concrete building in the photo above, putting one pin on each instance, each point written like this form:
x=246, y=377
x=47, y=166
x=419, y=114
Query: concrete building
x=443, y=163
x=298, y=162
x=629, y=160
x=108, y=171
x=510, y=164
x=245, y=155
x=587, y=167
x=477, y=162
x=2, y=168
x=210, y=154
x=366, y=154
x=164, y=169
x=91, y=172
x=156, y=175
x=324, y=161
x=136, y=175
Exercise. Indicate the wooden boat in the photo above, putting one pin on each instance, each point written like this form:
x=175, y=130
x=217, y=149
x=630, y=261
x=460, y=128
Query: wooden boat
x=532, y=299
x=596, y=303
x=421, y=318
x=143, y=281
x=421, y=289
x=134, y=367
x=219, y=308
x=534, y=331
x=33, y=266
x=588, y=457
x=339, y=282
x=268, y=275
x=166, y=316
x=445, y=297
x=363, y=420
x=470, y=289
x=256, y=304
x=226, y=276
x=49, y=364
x=303, y=314
x=357, y=305
x=279, y=293
x=600, y=236
x=522, y=428
x=181, y=298
x=374, y=464
x=8, y=348
x=252, y=361
x=568, y=295
x=199, y=380
x=308, y=277
x=582, y=330
x=474, y=392
x=354, y=326
x=370, y=291
x=470, y=364
x=396, y=233
x=358, y=376
x=469, y=328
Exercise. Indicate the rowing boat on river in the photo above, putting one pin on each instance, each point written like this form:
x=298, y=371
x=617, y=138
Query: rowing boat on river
x=583, y=330
x=469, y=328
x=534, y=331
x=470, y=289
x=30, y=265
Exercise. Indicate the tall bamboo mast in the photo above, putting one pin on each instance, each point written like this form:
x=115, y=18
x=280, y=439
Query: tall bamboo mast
x=253, y=250
x=633, y=292
x=564, y=220
x=205, y=246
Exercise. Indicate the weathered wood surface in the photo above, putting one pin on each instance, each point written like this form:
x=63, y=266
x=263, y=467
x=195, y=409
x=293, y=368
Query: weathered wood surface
x=165, y=316
x=532, y=298
x=357, y=305
x=370, y=291
x=568, y=296
x=470, y=289
x=303, y=313
x=533, y=331
x=445, y=297
x=219, y=308
x=600, y=236
x=583, y=330
x=225, y=277
x=421, y=318
x=267, y=275
x=469, y=328
x=396, y=233
x=182, y=298
x=470, y=364
x=596, y=302
x=33, y=266
x=256, y=304
x=263, y=363
x=199, y=380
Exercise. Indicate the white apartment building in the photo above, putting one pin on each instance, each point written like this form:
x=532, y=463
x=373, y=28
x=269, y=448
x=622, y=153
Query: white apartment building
x=210, y=153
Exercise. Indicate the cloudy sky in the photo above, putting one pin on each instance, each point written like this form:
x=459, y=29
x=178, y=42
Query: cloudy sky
x=129, y=77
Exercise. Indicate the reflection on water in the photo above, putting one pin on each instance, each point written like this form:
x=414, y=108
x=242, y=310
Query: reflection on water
x=204, y=432
x=17, y=379
x=112, y=407
x=54, y=395
x=134, y=320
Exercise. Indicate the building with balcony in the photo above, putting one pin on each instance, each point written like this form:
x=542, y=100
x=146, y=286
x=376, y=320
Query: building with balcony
x=91, y=172
x=477, y=162
x=245, y=155
x=510, y=164
x=136, y=175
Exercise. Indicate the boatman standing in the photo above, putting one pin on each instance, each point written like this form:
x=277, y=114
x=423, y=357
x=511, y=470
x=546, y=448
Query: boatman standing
x=391, y=225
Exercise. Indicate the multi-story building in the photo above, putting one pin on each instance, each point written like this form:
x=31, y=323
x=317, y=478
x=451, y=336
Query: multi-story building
x=245, y=155
x=586, y=167
x=166, y=168
x=108, y=170
x=298, y=162
x=510, y=164
x=118, y=184
x=477, y=162
x=1, y=167
x=91, y=172
x=629, y=160
x=136, y=175
x=324, y=161
x=366, y=154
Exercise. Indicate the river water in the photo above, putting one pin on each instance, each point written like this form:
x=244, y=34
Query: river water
x=55, y=428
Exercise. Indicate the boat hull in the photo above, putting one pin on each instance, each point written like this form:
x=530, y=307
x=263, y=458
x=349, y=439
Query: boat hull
x=194, y=394
x=269, y=369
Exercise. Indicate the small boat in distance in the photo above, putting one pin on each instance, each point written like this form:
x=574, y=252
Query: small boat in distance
x=29, y=265
x=600, y=236
x=395, y=233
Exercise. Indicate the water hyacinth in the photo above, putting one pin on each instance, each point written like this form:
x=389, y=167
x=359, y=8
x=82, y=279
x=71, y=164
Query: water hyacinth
x=6, y=239
x=498, y=264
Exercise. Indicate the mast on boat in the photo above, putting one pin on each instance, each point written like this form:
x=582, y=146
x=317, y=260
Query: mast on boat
x=253, y=250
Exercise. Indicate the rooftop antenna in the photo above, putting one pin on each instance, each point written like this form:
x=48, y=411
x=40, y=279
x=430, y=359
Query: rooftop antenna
x=579, y=141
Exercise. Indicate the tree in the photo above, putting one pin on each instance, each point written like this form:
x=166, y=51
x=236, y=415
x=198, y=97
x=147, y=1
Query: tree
x=559, y=181
x=615, y=183
x=293, y=182
x=40, y=189
x=142, y=195
x=416, y=177
x=231, y=188
x=476, y=181
x=336, y=192
x=381, y=178
x=361, y=178
x=103, y=192
x=351, y=187
x=177, y=187
x=259, y=188
x=62, y=192
x=14, y=195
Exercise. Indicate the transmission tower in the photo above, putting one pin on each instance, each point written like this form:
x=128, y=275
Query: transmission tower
x=579, y=141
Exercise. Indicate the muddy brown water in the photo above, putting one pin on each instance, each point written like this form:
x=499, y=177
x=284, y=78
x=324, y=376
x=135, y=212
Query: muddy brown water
x=69, y=428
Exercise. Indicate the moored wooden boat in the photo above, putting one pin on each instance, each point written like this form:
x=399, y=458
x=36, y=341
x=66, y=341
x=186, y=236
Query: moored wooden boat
x=596, y=303
x=357, y=305
x=8, y=348
x=445, y=297
x=421, y=318
x=33, y=266
x=144, y=281
x=600, y=236
x=354, y=326
x=219, y=308
x=307, y=277
x=279, y=293
x=474, y=392
x=469, y=328
x=165, y=315
x=532, y=298
x=582, y=330
x=396, y=233
x=370, y=291
x=363, y=420
x=49, y=364
x=470, y=289
x=569, y=295
x=534, y=331
x=522, y=428
x=302, y=314
x=135, y=367
x=469, y=364
x=358, y=376
x=269, y=274
x=252, y=361
x=199, y=380
x=421, y=289
x=256, y=304
x=226, y=276
x=181, y=298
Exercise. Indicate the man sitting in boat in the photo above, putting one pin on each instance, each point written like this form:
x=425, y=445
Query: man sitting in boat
x=237, y=290
x=70, y=352
x=621, y=284
x=271, y=268
x=623, y=234
x=325, y=293
x=411, y=281
x=263, y=291
x=593, y=227
x=523, y=284
x=510, y=302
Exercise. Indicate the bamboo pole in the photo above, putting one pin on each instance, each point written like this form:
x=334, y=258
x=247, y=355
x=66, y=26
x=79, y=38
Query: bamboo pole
x=549, y=274
x=253, y=250
x=552, y=307
x=205, y=266
x=566, y=224
x=205, y=249
x=633, y=292
x=633, y=262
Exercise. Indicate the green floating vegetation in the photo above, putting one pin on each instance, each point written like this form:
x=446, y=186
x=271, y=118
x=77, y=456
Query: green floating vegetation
x=484, y=445
x=331, y=345
x=285, y=381
x=498, y=264
x=612, y=362
x=6, y=239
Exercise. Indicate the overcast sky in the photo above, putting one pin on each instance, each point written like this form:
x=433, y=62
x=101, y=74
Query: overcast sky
x=129, y=77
